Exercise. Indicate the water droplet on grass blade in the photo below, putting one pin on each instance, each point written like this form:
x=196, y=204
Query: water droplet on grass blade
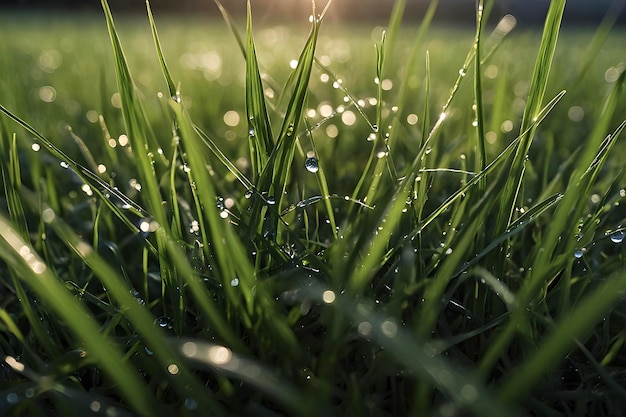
x=617, y=237
x=311, y=165
x=578, y=253
x=164, y=322
x=271, y=201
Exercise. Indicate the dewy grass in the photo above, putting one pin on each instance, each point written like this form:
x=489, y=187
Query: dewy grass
x=450, y=266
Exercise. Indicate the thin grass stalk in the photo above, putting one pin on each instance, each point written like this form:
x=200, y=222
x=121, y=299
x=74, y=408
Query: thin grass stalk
x=539, y=83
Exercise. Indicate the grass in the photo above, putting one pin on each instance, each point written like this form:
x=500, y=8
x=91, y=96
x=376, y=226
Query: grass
x=275, y=239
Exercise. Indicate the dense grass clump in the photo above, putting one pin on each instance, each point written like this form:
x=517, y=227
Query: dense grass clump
x=274, y=239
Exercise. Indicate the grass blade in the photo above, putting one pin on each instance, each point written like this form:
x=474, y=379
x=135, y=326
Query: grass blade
x=39, y=277
x=539, y=84
x=260, y=132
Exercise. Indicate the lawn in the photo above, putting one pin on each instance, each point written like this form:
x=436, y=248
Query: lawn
x=224, y=217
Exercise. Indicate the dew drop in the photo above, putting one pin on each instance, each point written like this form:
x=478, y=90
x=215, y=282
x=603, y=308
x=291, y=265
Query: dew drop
x=578, y=253
x=311, y=165
x=64, y=164
x=248, y=194
x=271, y=201
x=617, y=237
x=251, y=132
x=164, y=322
x=220, y=203
x=234, y=282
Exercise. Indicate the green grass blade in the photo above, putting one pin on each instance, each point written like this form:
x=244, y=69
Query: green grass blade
x=273, y=181
x=562, y=339
x=221, y=359
x=39, y=277
x=157, y=43
x=136, y=125
x=323, y=184
x=539, y=84
x=479, y=121
x=229, y=22
x=259, y=129
x=210, y=143
x=568, y=212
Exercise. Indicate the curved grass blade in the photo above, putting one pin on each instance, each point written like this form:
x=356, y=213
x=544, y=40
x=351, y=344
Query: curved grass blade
x=561, y=340
x=98, y=185
x=229, y=22
x=223, y=360
x=169, y=361
x=20, y=256
x=166, y=73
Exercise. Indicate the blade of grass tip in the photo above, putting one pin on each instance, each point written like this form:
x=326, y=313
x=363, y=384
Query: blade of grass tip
x=166, y=73
x=229, y=22
x=273, y=180
x=259, y=129
x=405, y=90
x=91, y=162
x=381, y=145
x=599, y=37
x=18, y=254
x=135, y=125
x=12, y=179
x=421, y=185
x=481, y=160
x=538, y=88
x=380, y=151
x=502, y=29
x=587, y=314
x=138, y=129
x=395, y=20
